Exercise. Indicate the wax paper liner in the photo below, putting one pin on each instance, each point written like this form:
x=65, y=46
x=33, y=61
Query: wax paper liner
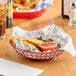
x=43, y=4
x=53, y=32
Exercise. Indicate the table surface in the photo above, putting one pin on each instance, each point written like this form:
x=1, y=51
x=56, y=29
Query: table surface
x=64, y=65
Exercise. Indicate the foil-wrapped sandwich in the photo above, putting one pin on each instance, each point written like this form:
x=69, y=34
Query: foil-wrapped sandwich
x=49, y=38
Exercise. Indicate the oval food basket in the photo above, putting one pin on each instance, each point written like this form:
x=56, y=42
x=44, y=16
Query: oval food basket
x=38, y=55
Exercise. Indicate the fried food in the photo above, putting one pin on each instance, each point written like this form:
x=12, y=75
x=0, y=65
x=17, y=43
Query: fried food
x=17, y=1
x=32, y=4
x=16, y=5
x=34, y=44
x=33, y=48
x=25, y=3
x=26, y=43
x=33, y=41
x=36, y=1
x=16, y=37
x=29, y=4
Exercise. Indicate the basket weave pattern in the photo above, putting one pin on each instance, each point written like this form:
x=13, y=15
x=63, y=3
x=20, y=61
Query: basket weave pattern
x=38, y=55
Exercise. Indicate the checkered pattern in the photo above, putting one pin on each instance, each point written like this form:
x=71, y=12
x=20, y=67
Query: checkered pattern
x=38, y=55
x=43, y=4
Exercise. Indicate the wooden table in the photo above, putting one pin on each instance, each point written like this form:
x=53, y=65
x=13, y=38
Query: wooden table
x=64, y=65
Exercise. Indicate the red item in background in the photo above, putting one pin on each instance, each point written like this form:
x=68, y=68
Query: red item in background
x=28, y=14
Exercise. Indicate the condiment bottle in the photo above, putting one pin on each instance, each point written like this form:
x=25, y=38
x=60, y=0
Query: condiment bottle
x=10, y=14
x=72, y=14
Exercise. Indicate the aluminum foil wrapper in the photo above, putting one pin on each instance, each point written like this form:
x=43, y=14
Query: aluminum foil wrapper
x=53, y=32
x=19, y=44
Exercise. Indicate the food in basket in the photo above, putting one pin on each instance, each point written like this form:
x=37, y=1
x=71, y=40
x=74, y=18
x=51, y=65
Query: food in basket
x=25, y=3
x=32, y=3
x=48, y=46
x=49, y=34
x=23, y=9
x=24, y=43
x=16, y=5
x=34, y=41
x=33, y=44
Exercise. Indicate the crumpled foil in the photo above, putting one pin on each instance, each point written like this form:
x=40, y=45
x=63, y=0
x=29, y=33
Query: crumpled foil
x=53, y=32
x=19, y=44
x=49, y=32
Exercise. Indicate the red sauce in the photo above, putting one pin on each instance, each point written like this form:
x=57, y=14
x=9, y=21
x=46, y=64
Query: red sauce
x=48, y=46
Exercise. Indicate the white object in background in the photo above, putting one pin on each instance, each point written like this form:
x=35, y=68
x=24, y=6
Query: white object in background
x=72, y=14
x=70, y=48
x=9, y=68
